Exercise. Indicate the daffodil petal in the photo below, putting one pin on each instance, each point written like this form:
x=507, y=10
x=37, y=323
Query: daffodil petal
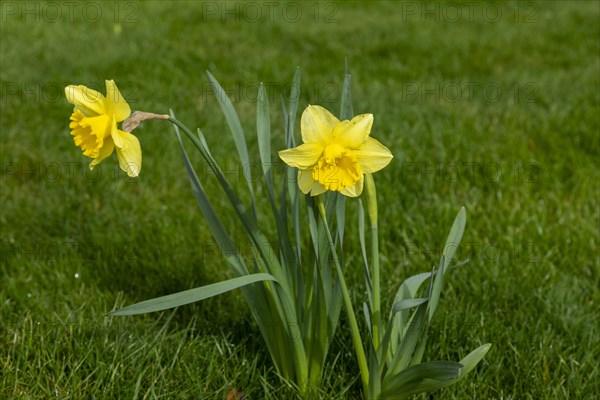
x=129, y=153
x=373, y=156
x=317, y=189
x=89, y=101
x=307, y=184
x=356, y=190
x=115, y=103
x=304, y=156
x=317, y=124
x=355, y=132
x=105, y=151
x=305, y=180
x=119, y=139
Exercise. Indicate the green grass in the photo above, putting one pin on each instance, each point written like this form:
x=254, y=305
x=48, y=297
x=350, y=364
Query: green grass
x=518, y=145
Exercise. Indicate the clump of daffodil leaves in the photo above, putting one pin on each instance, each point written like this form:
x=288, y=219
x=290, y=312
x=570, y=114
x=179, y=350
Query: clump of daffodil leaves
x=296, y=293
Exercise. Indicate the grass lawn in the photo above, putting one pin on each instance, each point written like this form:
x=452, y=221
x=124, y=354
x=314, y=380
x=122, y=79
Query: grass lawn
x=494, y=106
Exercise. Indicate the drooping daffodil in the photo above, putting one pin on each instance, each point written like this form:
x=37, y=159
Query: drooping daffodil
x=335, y=154
x=94, y=126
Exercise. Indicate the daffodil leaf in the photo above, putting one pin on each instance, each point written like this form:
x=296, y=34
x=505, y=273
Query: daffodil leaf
x=407, y=290
x=425, y=377
x=340, y=218
x=236, y=129
x=346, y=111
x=263, y=131
x=229, y=250
x=293, y=107
x=407, y=304
x=202, y=139
x=276, y=303
x=403, y=354
x=363, y=248
x=473, y=358
x=292, y=173
x=367, y=315
x=374, y=372
x=191, y=296
x=454, y=238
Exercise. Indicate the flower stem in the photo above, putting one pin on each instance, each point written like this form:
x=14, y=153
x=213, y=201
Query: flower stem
x=371, y=195
x=360, y=352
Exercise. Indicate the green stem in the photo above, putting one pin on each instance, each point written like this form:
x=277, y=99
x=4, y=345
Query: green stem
x=360, y=351
x=371, y=195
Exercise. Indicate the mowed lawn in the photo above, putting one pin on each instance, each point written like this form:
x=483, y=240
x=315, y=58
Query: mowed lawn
x=494, y=106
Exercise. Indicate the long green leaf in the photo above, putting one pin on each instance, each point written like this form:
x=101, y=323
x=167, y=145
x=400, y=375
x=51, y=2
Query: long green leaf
x=250, y=225
x=436, y=288
x=236, y=130
x=406, y=348
x=346, y=110
x=407, y=304
x=292, y=173
x=473, y=358
x=261, y=304
x=191, y=296
x=363, y=248
x=454, y=238
x=407, y=290
x=228, y=248
x=263, y=132
x=469, y=363
x=293, y=106
x=282, y=294
x=424, y=377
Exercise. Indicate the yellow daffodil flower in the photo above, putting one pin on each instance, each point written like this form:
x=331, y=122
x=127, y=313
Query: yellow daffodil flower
x=94, y=126
x=335, y=154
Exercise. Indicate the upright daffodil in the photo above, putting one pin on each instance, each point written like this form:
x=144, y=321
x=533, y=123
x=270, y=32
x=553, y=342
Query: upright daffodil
x=335, y=154
x=94, y=126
